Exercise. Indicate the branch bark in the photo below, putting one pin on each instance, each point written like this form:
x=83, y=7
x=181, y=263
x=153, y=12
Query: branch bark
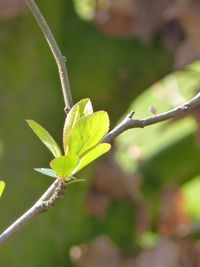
x=59, y=58
x=56, y=191
x=47, y=201
x=130, y=123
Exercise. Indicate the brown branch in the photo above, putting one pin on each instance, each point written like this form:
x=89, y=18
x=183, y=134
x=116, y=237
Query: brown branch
x=130, y=123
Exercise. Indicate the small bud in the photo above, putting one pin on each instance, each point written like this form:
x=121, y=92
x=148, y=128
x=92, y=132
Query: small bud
x=64, y=58
x=153, y=110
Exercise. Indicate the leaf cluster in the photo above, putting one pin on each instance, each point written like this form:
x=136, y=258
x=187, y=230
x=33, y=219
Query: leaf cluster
x=83, y=133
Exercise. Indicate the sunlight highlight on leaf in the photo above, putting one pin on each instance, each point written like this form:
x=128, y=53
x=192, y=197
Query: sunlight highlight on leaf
x=92, y=155
x=79, y=110
x=88, y=132
x=2, y=187
x=64, y=165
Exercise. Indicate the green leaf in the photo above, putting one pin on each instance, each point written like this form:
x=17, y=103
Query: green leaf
x=85, y=107
x=81, y=109
x=71, y=119
x=72, y=181
x=92, y=155
x=64, y=165
x=2, y=186
x=45, y=137
x=88, y=132
x=46, y=171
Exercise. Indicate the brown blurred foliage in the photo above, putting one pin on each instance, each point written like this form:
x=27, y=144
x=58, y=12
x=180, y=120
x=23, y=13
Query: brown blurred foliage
x=176, y=21
x=167, y=253
x=10, y=8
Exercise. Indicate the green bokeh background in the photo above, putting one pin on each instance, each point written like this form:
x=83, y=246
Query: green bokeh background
x=111, y=72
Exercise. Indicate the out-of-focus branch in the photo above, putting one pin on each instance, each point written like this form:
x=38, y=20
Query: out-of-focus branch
x=60, y=59
x=130, y=123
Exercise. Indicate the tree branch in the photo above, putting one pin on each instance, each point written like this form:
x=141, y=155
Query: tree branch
x=47, y=201
x=60, y=59
x=130, y=123
x=57, y=189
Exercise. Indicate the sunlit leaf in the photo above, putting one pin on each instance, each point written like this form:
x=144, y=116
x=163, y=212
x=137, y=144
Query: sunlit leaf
x=88, y=132
x=64, y=165
x=85, y=107
x=45, y=137
x=81, y=109
x=2, y=186
x=92, y=155
x=46, y=171
x=71, y=119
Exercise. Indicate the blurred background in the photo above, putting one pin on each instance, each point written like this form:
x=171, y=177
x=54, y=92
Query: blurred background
x=140, y=204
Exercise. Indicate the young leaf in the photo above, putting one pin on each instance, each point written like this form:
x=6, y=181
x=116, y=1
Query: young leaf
x=92, y=155
x=64, y=165
x=88, y=132
x=85, y=107
x=2, y=186
x=45, y=137
x=75, y=181
x=81, y=109
x=45, y=171
x=71, y=119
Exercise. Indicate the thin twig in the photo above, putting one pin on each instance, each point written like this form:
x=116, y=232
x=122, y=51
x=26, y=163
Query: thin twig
x=54, y=193
x=56, y=190
x=47, y=201
x=49, y=191
x=130, y=123
x=60, y=59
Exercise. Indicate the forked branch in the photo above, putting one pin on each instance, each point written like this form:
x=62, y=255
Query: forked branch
x=56, y=190
x=126, y=124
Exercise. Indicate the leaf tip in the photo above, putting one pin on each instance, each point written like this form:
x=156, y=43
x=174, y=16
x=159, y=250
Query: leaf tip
x=2, y=187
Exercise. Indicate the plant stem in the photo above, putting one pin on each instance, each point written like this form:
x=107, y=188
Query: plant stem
x=59, y=58
x=47, y=201
x=130, y=123
x=56, y=190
